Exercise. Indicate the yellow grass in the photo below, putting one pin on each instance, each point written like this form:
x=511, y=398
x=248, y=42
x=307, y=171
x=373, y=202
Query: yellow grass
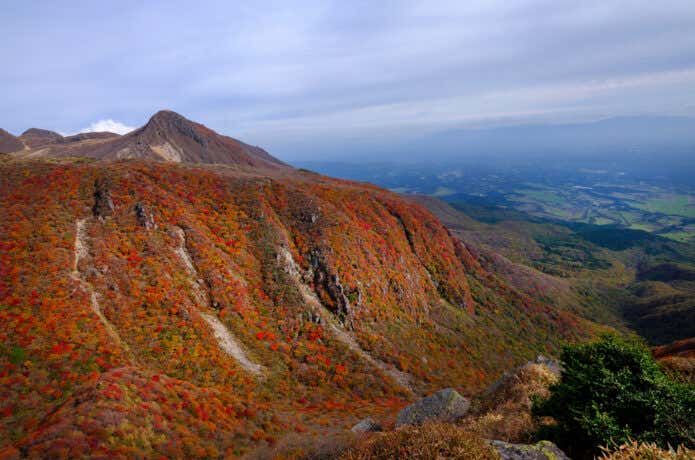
x=637, y=451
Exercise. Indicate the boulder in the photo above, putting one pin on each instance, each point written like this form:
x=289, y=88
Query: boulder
x=544, y=450
x=445, y=405
x=366, y=425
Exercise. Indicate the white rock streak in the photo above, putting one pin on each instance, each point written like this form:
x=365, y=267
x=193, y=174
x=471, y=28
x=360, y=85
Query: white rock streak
x=224, y=337
x=227, y=342
x=81, y=252
x=311, y=299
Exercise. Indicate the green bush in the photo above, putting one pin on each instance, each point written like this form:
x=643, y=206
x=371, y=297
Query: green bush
x=612, y=391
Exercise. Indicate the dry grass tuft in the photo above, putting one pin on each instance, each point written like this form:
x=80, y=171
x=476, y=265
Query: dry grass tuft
x=505, y=412
x=637, y=451
x=303, y=447
x=432, y=440
x=679, y=368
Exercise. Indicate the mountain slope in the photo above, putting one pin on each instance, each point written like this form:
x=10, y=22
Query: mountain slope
x=34, y=138
x=151, y=308
x=9, y=143
x=167, y=136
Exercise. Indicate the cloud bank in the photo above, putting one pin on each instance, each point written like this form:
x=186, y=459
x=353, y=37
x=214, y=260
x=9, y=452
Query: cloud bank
x=301, y=77
x=108, y=125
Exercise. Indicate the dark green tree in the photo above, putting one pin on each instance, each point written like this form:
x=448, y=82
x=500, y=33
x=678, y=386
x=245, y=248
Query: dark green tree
x=612, y=391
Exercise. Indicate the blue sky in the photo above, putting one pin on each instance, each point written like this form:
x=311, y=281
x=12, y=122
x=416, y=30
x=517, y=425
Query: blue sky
x=299, y=77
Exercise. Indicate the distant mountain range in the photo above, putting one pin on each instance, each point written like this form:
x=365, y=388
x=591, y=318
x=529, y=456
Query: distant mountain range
x=626, y=136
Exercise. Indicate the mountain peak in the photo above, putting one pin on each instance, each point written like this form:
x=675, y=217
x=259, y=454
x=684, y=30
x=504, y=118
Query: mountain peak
x=36, y=137
x=167, y=136
x=167, y=125
x=168, y=117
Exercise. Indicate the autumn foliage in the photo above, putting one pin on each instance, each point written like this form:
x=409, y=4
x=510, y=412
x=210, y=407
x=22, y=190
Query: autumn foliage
x=149, y=377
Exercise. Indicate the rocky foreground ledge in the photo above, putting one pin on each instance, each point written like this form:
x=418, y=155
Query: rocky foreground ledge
x=448, y=406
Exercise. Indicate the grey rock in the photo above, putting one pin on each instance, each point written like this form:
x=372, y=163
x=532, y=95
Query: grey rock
x=103, y=204
x=445, y=405
x=366, y=425
x=145, y=217
x=544, y=450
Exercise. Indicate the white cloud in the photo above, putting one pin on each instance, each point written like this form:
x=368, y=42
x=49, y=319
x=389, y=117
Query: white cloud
x=108, y=125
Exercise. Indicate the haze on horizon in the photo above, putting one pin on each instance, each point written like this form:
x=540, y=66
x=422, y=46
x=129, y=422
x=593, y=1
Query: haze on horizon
x=309, y=80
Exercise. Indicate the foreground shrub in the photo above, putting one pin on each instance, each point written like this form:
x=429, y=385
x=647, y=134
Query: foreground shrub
x=611, y=391
x=644, y=451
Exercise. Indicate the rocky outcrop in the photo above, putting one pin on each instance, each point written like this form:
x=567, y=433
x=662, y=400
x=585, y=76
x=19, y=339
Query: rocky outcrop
x=103, y=204
x=445, y=405
x=322, y=315
x=329, y=282
x=367, y=425
x=544, y=450
x=145, y=217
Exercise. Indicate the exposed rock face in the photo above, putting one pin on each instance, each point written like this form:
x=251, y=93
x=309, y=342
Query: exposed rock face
x=445, y=405
x=145, y=217
x=366, y=425
x=328, y=282
x=103, y=204
x=9, y=143
x=544, y=450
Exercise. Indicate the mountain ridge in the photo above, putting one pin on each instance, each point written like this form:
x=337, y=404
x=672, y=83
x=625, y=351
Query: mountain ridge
x=158, y=297
x=167, y=136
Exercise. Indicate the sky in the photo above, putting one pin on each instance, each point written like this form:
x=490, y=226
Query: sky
x=307, y=79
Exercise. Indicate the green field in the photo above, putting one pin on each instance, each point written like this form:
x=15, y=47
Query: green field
x=678, y=205
x=543, y=195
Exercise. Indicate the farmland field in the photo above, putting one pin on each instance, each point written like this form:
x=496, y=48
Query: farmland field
x=613, y=196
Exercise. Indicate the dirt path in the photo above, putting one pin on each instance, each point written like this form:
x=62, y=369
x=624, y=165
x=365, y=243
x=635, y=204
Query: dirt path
x=224, y=337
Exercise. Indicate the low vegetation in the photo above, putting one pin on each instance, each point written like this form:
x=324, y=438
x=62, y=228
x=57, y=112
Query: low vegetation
x=504, y=411
x=613, y=391
x=429, y=441
x=244, y=249
x=647, y=451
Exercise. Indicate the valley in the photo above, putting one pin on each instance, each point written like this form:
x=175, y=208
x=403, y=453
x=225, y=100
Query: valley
x=544, y=221
x=621, y=195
